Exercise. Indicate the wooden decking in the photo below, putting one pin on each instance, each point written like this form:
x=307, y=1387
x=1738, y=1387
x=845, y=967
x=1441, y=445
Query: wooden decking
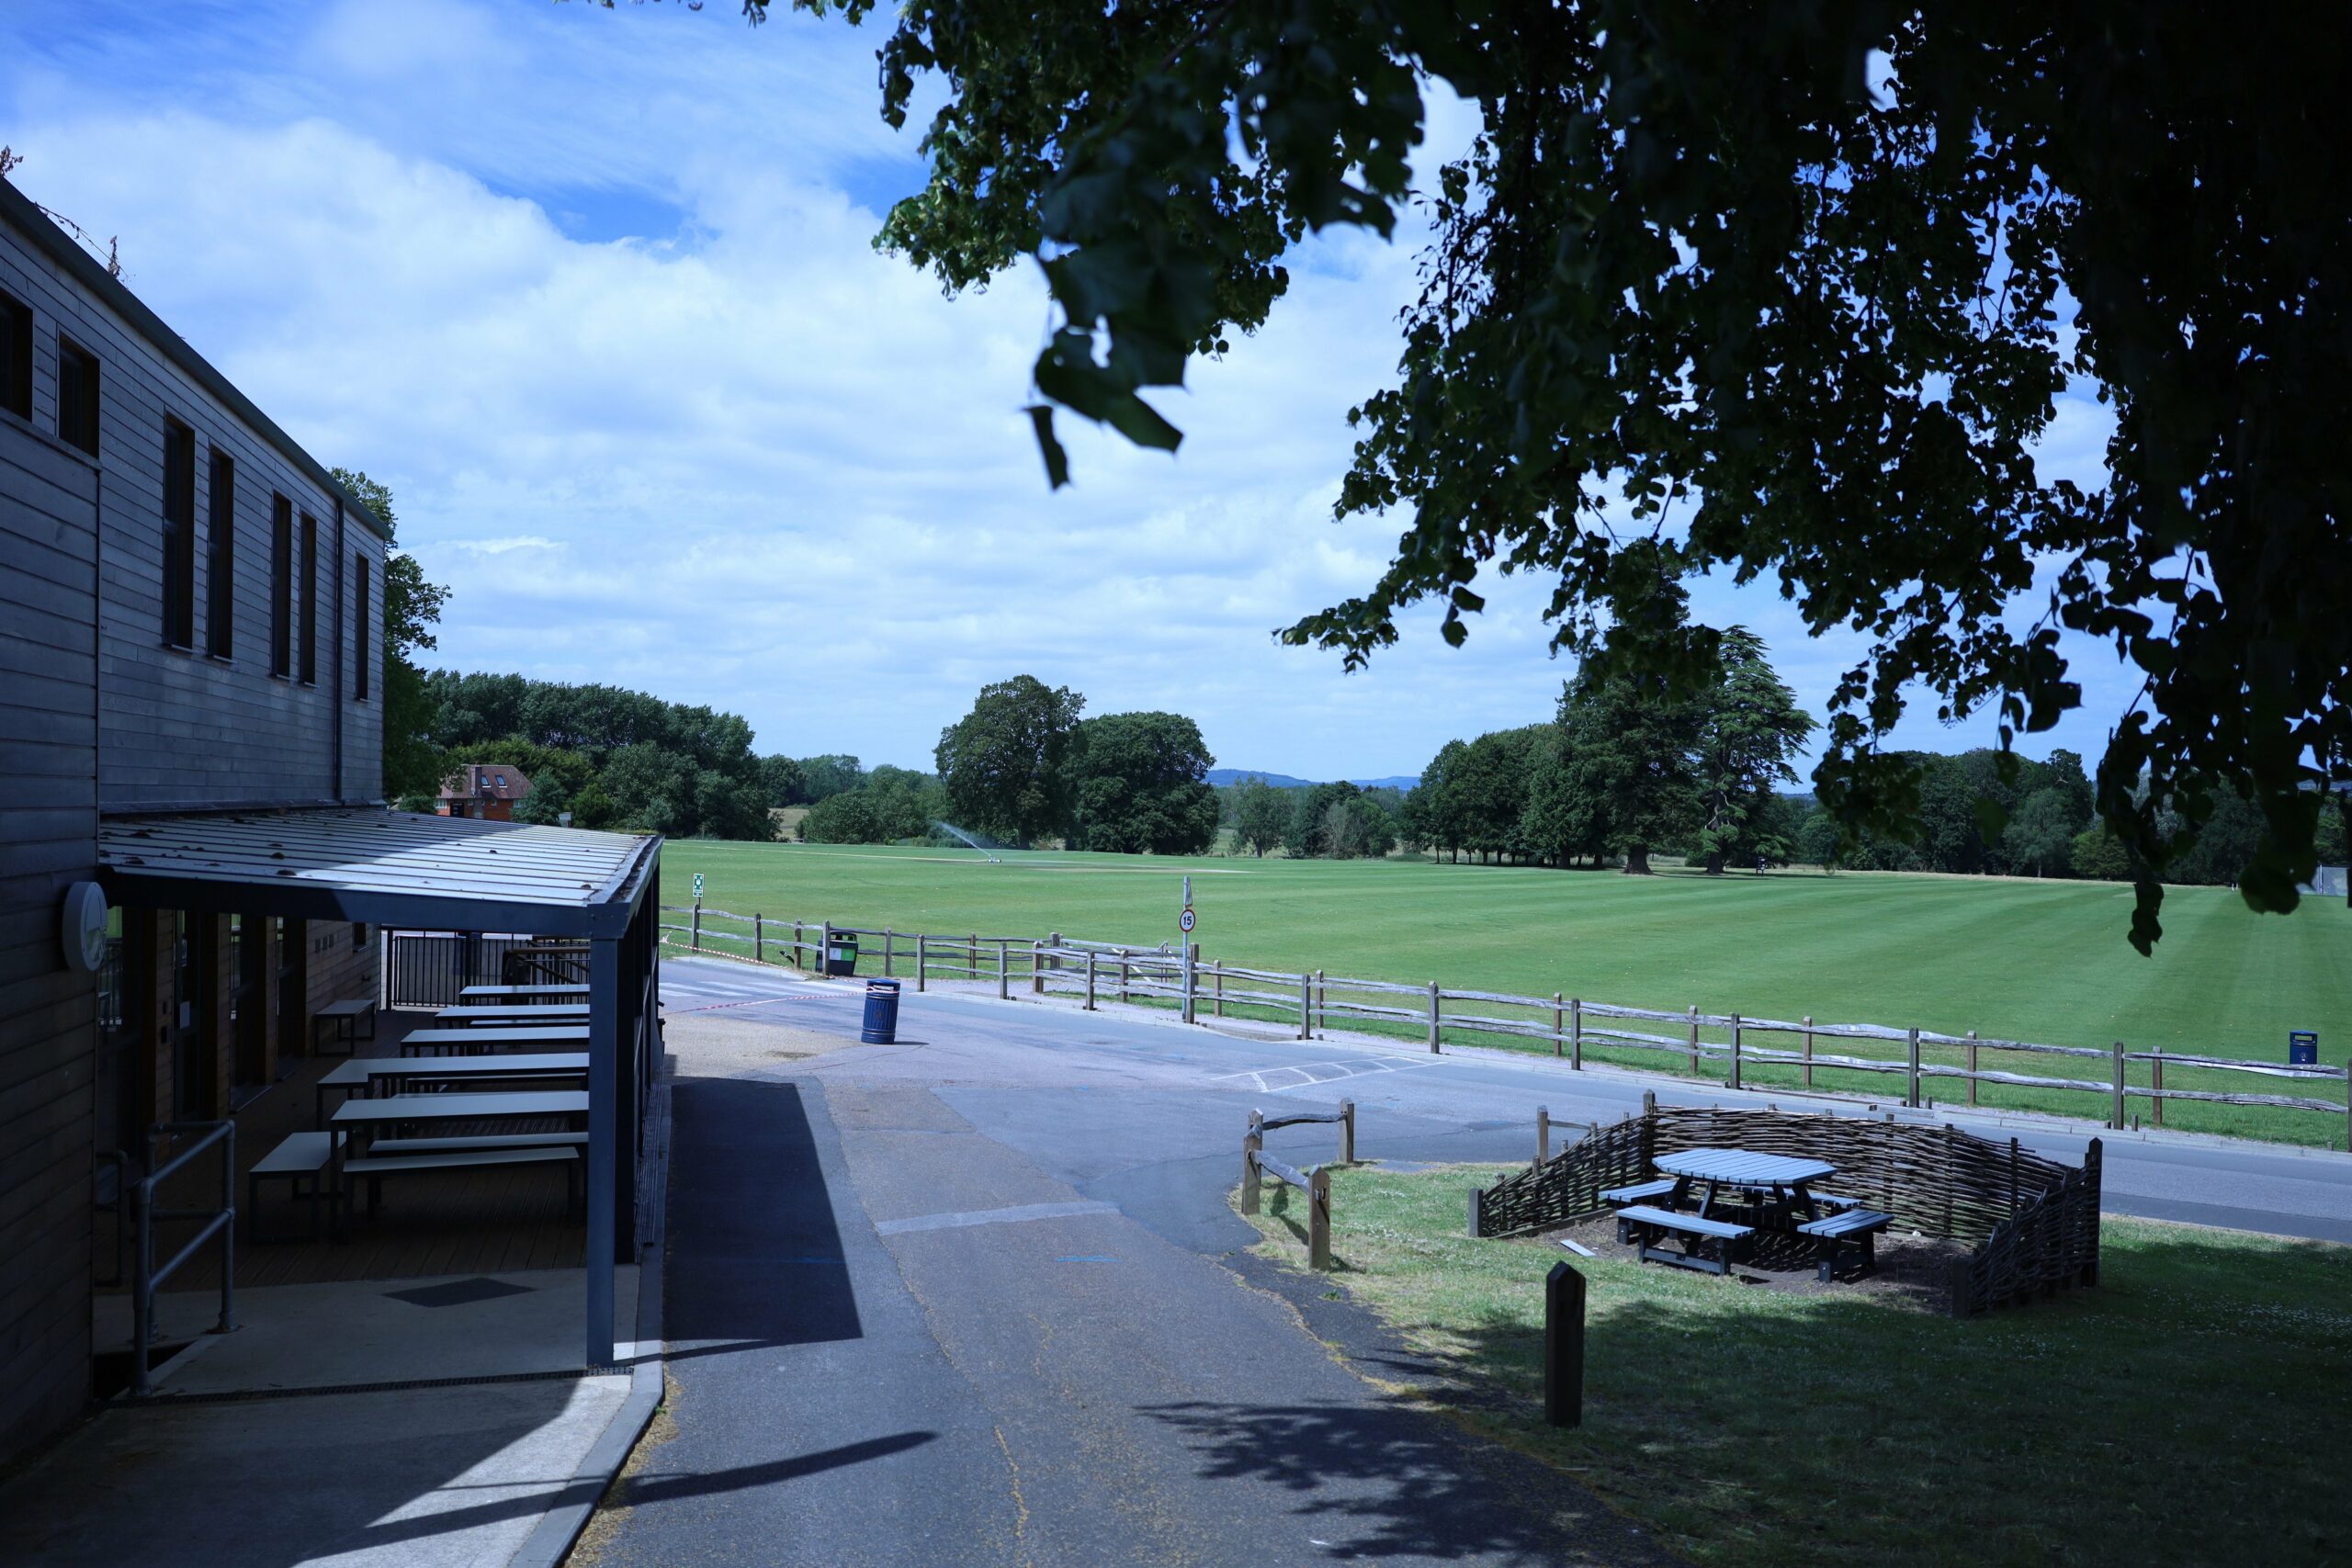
x=439, y=1223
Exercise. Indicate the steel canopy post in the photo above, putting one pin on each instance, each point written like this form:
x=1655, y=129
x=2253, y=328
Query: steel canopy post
x=604, y=1048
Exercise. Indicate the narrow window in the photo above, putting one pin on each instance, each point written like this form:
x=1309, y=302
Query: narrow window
x=179, y=535
x=309, y=568
x=360, y=606
x=15, y=356
x=77, y=397
x=221, y=558
x=281, y=586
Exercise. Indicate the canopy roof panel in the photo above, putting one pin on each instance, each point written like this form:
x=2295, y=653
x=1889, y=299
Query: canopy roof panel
x=391, y=867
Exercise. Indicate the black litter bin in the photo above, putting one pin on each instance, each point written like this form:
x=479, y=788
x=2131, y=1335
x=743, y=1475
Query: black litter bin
x=841, y=956
x=881, y=1013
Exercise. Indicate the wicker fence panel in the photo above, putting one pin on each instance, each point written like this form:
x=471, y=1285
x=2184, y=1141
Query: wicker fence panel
x=2033, y=1221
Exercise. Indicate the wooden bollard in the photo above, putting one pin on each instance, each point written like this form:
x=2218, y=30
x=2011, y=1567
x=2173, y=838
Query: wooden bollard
x=1563, y=1347
x=1319, y=1218
x=696, y=940
x=1251, y=1142
x=1543, y=1134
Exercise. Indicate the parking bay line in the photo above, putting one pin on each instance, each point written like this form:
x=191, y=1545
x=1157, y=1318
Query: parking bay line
x=1013, y=1215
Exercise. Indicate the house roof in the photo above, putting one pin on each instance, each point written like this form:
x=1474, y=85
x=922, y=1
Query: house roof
x=486, y=781
x=387, y=867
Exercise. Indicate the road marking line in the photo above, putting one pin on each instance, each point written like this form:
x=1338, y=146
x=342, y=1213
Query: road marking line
x=1013, y=1215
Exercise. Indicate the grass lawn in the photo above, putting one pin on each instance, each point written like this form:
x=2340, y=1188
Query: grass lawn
x=2187, y=1410
x=2015, y=959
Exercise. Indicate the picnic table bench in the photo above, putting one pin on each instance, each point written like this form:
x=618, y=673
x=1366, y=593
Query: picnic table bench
x=527, y=1014
x=359, y=1075
x=1847, y=1232
x=300, y=1158
x=464, y=1038
x=473, y=994
x=362, y=1118
x=344, y=1016
x=1640, y=1192
x=373, y=1162
x=1710, y=1244
x=372, y=1169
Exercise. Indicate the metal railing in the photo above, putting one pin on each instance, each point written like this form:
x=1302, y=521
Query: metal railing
x=221, y=1222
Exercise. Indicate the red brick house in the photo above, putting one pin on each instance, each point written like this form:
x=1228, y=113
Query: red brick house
x=484, y=790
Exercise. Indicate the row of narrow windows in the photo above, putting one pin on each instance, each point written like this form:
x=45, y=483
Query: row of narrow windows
x=295, y=569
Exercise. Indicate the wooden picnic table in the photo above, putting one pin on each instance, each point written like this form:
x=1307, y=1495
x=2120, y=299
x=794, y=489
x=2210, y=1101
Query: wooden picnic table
x=475, y=1037
x=526, y=1013
x=520, y=993
x=359, y=1076
x=363, y=1117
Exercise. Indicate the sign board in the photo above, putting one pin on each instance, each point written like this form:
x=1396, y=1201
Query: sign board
x=697, y=884
x=1184, y=921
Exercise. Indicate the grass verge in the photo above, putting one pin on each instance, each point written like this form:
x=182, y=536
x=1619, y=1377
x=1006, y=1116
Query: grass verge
x=2185, y=1410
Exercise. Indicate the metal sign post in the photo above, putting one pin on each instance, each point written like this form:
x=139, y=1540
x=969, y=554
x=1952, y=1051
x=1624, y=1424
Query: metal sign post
x=1184, y=924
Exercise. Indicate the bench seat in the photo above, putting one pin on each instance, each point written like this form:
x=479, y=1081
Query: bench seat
x=372, y=1167
x=1849, y=1230
x=1832, y=1201
x=299, y=1159
x=1710, y=1244
x=478, y=1141
x=1635, y=1192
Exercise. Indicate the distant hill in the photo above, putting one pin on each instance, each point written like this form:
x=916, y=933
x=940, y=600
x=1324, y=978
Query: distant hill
x=1223, y=776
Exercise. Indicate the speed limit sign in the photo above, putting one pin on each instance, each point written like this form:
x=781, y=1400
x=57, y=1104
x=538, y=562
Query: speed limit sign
x=1184, y=920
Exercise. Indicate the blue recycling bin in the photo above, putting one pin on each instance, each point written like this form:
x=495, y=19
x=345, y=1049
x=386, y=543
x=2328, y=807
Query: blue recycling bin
x=881, y=1013
x=2302, y=1048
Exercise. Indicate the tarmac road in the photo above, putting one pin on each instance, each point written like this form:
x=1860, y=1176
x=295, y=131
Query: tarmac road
x=972, y=1297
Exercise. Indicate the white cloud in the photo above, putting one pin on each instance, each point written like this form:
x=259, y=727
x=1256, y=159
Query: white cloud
x=594, y=292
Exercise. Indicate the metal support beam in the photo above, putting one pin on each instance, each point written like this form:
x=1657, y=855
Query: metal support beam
x=604, y=1045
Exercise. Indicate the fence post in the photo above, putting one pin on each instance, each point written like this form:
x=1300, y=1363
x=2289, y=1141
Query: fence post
x=1123, y=976
x=1090, y=979
x=1192, y=982
x=1347, y=1131
x=1036, y=969
x=1694, y=1040
x=1734, y=1050
x=2347, y=1104
x=825, y=951
x=1216, y=978
x=1808, y=1050
x=889, y=952
x=1558, y=1028
x=1004, y=964
x=1913, y=1079
x=1575, y=1033
x=1971, y=1067
x=1251, y=1141
x=1322, y=1016
x=1037, y=980
x=1319, y=1218
x=758, y=940
x=2117, y=1106
x=1563, y=1347
x=2156, y=1070
x=1305, y=1006
x=1543, y=1134
x=972, y=955
x=1477, y=1211
x=1433, y=1016
x=797, y=961
x=922, y=960
x=697, y=942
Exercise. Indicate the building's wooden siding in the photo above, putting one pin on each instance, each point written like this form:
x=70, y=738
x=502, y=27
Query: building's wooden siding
x=48, y=718
x=182, y=728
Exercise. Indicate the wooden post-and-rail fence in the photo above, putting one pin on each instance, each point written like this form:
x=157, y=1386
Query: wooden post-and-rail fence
x=1744, y=1049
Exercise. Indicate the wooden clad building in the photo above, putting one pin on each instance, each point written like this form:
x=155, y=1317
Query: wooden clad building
x=191, y=614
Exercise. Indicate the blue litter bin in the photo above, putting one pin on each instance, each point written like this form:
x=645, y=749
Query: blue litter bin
x=881, y=1013
x=2302, y=1048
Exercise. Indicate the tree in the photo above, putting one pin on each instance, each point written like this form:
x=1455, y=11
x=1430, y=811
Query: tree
x=1564, y=817
x=783, y=782
x=1749, y=731
x=2041, y=833
x=1001, y=763
x=1261, y=812
x=1139, y=785
x=845, y=818
x=1308, y=834
x=413, y=764
x=828, y=775
x=1798, y=270
x=1633, y=743
x=1442, y=809
x=2097, y=853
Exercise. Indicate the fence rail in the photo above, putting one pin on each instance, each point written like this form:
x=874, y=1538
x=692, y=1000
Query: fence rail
x=1731, y=1044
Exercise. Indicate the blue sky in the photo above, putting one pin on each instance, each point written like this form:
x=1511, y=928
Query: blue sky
x=593, y=291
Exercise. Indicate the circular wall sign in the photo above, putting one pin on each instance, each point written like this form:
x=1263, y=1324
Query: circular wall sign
x=84, y=926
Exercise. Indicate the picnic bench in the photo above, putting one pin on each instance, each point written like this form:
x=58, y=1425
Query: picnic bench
x=525, y=1014
x=344, y=1016
x=372, y=1169
x=362, y=1118
x=373, y=1160
x=300, y=1158
x=1849, y=1230
x=360, y=1074
x=1710, y=1244
x=464, y=1039
x=473, y=994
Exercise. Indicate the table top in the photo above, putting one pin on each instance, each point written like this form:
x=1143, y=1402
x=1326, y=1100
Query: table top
x=488, y=992
x=522, y=1063
x=462, y=1107
x=1741, y=1166
x=474, y=1013
x=344, y=1009
x=499, y=1034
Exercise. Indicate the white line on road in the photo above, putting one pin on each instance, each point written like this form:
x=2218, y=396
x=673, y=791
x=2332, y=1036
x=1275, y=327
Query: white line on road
x=1275, y=1080
x=992, y=1216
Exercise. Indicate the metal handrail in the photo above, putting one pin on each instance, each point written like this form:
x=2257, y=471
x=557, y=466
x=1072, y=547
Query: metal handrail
x=221, y=1222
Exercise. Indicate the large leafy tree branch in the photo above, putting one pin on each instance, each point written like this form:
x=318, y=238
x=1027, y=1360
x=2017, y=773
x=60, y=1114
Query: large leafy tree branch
x=1781, y=292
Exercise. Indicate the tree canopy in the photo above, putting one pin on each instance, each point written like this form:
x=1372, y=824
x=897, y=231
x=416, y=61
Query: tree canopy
x=1782, y=292
x=413, y=764
x=1139, y=785
x=1001, y=763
